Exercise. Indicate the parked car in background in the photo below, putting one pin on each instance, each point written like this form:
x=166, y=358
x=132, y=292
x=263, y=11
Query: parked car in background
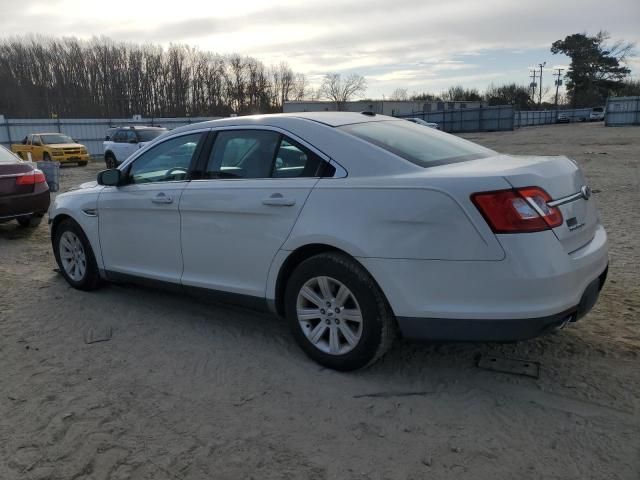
x=597, y=114
x=121, y=143
x=24, y=193
x=49, y=147
x=351, y=226
x=422, y=122
x=563, y=118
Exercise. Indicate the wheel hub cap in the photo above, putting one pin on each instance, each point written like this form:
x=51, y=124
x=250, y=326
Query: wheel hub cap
x=329, y=315
x=72, y=256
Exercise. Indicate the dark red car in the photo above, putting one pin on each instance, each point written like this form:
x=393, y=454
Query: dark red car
x=24, y=193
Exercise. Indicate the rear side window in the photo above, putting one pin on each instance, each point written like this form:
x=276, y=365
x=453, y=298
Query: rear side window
x=6, y=156
x=423, y=146
x=261, y=154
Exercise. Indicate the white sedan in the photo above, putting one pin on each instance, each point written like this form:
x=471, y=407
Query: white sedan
x=352, y=226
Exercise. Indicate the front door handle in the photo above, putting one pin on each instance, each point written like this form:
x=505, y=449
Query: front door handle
x=162, y=198
x=277, y=200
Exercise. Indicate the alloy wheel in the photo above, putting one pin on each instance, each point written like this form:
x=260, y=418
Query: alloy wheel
x=72, y=256
x=329, y=315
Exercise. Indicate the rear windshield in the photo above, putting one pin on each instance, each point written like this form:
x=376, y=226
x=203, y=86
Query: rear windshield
x=148, y=135
x=598, y=109
x=6, y=156
x=425, y=147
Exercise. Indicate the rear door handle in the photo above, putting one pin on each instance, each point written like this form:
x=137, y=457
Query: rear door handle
x=277, y=200
x=162, y=198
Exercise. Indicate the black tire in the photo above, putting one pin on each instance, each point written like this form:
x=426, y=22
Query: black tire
x=110, y=160
x=46, y=157
x=379, y=328
x=32, y=221
x=82, y=164
x=91, y=279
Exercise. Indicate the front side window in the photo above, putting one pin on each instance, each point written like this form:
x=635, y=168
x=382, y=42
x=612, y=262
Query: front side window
x=426, y=147
x=167, y=161
x=120, y=136
x=35, y=140
x=148, y=135
x=131, y=137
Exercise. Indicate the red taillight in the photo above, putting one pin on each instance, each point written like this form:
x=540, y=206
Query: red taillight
x=517, y=211
x=31, y=178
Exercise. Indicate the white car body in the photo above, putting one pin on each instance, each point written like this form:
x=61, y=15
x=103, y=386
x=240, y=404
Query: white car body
x=416, y=230
x=597, y=114
x=121, y=150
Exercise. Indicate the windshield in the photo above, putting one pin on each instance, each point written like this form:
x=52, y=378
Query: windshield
x=55, y=139
x=598, y=109
x=148, y=135
x=423, y=146
x=6, y=156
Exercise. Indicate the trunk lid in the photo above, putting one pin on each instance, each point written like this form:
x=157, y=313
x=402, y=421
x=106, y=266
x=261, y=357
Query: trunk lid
x=559, y=176
x=8, y=174
x=563, y=180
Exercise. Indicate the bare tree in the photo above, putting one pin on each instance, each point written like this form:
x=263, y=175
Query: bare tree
x=300, y=87
x=399, y=94
x=340, y=90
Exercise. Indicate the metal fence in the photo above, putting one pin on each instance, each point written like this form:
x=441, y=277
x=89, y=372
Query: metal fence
x=90, y=132
x=529, y=118
x=622, y=111
x=485, y=119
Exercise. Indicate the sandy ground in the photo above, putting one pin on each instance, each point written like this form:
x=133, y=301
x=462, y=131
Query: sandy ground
x=191, y=390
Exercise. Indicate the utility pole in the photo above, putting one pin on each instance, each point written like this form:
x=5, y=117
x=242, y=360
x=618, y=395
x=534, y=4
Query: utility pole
x=533, y=77
x=540, y=89
x=558, y=83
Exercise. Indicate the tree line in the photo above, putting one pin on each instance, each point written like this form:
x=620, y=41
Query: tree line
x=45, y=77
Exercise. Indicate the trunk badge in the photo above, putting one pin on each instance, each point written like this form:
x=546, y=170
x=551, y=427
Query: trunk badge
x=586, y=192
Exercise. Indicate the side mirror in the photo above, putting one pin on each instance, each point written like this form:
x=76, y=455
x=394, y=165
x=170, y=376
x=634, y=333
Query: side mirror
x=110, y=178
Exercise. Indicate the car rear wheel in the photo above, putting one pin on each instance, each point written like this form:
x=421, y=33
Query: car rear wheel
x=82, y=164
x=75, y=257
x=30, y=221
x=337, y=313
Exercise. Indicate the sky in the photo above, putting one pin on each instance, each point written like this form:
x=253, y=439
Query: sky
x=420, y=45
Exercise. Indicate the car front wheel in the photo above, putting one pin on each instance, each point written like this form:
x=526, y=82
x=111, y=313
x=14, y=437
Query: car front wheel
x=75, y=257
x=337, y=312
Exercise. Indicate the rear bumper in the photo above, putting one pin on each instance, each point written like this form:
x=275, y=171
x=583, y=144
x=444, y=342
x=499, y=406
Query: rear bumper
x=502, y=330
x=538, y=284
x=19, y=205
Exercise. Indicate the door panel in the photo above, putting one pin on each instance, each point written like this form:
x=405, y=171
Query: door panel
x=139, y=235
x=139, y=223
x=232, y=229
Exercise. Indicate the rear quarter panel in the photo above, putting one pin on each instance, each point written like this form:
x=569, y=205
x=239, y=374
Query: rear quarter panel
x=397, y=217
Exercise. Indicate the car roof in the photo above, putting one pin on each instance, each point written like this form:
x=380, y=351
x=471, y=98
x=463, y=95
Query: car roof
x=331, y=119
x=50, y=133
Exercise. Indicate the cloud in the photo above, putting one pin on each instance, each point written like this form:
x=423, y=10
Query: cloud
x=421, y=43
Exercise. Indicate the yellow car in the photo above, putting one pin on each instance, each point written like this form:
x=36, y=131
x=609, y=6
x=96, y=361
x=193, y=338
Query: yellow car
x=51, y=147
